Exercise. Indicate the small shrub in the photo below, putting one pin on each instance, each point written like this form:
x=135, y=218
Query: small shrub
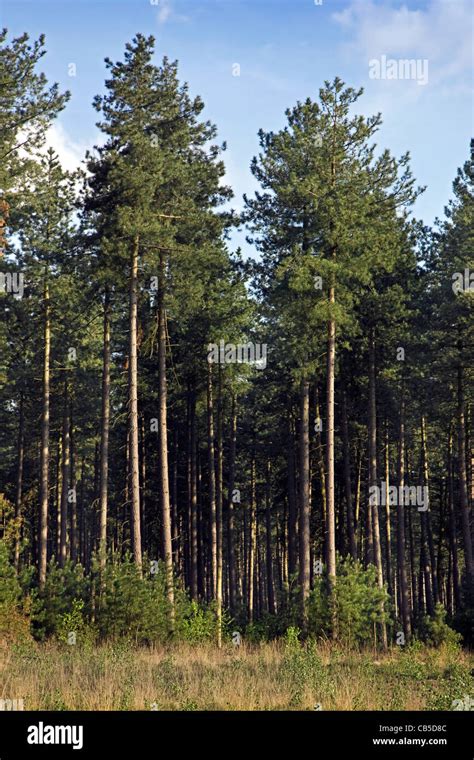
x=435, y=631
x=73, y=629
x=357, y=604
x=63, y=586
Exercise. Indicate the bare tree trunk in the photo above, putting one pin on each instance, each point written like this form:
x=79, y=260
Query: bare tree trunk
x=57, y=495
x=212, y=481
x=463, y=500
x=65, y=478
x=331, y=510
x=268, y=530
x=143, y=520
x=374, y=506
x=425, y=567
x=452, y=526
x=193, y=539
x=133, y=408
x=219, y=497
x=163, y=448
x=19, y=480
x=251, y=544
x=230, y=508
x=402, y=577
x=292, y=508
x=347, y=479
x=413, y=576
x=82, y=515
x=320, y=459
x=388, y=518
x=104, y=434
x=44, y=464
x=304, y=517
x=176, y=532
x=73, y=494
x=427, y=517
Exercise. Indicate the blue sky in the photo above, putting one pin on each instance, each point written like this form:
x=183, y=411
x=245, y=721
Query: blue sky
x=285, y=50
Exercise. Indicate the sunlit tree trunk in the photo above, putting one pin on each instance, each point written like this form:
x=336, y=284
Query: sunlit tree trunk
x=163, y=449
x=44, y=463
x=133, y=408
x=104, y=434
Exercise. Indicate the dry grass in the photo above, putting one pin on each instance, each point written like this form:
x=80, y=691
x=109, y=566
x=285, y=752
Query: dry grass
x=269, y=676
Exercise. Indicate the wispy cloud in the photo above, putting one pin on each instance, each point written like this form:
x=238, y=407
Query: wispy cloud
x=167, y=12
x=441, y=33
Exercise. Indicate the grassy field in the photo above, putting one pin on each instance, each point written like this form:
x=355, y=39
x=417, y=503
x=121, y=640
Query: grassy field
x=269, y=676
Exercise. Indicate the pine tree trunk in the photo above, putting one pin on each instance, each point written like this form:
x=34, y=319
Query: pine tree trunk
x=427, y=515
x=331, y=509
x=374, y=507
x=347, y=479
x=176, y=533
x=452, y=527
x=292, y=507
x=230, y=508
x=64, y=477
x=104, y=433
x=402, y=576
x=143, y=519
x=304, y=516
x=463, y=500
x=321, y=465
x=251, y=544
x=219, y=496
x=425, y=567
x=133, y=409
x=19, y=481
x=388, y=517
x=163, y=449
x=82, y=515
x=413, y=576
x=44, y=463
x=57, y=494
x=193, y=539
x=212, y=482
x=268, y=530
x=72, y=479
x=203, y=543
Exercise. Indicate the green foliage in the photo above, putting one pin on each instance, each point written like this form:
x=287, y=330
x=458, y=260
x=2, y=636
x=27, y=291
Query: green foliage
x=72, y=627
x=197, y=623
x=292, y=639
x=9, y=587
x=131, y=608
x=64, y=586
x=302, y=667
x=13, y=621
x=357, y=604
x=435, y=631
x=137, y=608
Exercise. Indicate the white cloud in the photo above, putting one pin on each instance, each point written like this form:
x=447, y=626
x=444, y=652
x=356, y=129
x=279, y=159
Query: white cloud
x=166, y=12
x=441, y=33
x=71, y=153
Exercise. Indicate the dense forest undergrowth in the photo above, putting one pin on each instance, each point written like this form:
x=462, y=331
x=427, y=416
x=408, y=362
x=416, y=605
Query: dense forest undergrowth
x=218, y=471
